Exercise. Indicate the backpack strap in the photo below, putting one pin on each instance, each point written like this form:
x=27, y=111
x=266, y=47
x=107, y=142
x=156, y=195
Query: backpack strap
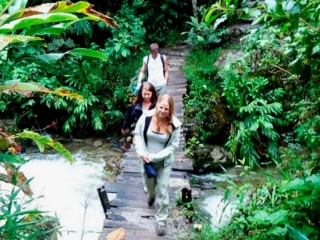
x=162, y=60
x=173, y=128
x=146, y=126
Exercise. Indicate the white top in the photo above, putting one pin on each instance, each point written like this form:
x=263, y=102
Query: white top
x=155, y=70
x=156, y=141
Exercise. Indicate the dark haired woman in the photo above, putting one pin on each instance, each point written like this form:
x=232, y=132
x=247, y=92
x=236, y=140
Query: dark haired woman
x=146, y=100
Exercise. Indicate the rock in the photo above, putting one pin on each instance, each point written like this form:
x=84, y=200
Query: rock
x=97, y=143
x=216, y=153
x=7, y=125
x=228, y=56
x=211, y=158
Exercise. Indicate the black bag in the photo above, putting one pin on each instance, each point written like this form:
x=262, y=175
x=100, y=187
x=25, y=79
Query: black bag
x=150, y=170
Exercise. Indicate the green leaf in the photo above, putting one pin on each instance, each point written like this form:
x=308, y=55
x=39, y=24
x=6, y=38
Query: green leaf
x=50, y=57
x=277, y=231
x=316, y=49
x=6, y=40
x=272, y=5
x=265, y=218
x=43, y=141
x=25, y=88
x=56, y=29
x=88, y=53
x=53, y=57
x=314, y=179
x=27, y=22
x=11, y=158
x=295, y=234
x=296, y=184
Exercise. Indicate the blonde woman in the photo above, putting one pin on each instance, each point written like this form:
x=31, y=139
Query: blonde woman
x=156, y=137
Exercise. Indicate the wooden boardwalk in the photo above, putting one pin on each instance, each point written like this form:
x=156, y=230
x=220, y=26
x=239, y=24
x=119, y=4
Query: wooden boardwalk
x=128, y=202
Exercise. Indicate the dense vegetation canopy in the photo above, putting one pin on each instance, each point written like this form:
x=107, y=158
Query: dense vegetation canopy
x=68, y=67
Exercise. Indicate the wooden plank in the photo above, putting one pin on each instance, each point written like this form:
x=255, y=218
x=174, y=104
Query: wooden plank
x=128, y=202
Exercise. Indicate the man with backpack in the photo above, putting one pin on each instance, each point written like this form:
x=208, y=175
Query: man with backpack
x=155, y=69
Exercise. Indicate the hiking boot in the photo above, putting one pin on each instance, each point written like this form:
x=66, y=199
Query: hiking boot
x=161, y=229
x=150, y=201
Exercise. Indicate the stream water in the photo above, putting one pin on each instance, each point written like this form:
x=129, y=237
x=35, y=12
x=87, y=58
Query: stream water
x=69, y=191
x=212, y=201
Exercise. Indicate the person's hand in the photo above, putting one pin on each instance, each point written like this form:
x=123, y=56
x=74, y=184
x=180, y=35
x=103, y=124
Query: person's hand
x=146, y=158
x=124, y=131
x=136, y=90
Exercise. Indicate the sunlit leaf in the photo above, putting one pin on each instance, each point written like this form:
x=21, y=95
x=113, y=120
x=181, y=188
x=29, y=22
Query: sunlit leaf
x=63, y=7
x=6, y=40
x=55, y=29
x=63, y=92
x=43, y=141
x=28, y=87
x=39, y=19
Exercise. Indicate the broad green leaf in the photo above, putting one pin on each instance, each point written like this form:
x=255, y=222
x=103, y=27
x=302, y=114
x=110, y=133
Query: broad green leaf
x=314, y=179
x=39, y=19
x=295, y=234
x=56, y=29
x=88, y=53
x=23, y=88
x=11, y=158
x=296, y=184
x=62, y=7
x=265, y=218
x=64, y=93
x=26, y=88
x=43, y=141
x=52, y=57
x=6, y=40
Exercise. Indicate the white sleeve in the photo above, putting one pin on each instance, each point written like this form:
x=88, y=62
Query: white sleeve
x=140, y=145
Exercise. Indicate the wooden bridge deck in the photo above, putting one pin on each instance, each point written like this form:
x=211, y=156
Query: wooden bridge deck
x=128, y=202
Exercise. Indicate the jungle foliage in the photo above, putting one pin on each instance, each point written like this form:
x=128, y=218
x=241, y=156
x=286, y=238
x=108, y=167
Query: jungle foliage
x=19, y=30
x=101, y=73
x=72, y=72
x=264, y=108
